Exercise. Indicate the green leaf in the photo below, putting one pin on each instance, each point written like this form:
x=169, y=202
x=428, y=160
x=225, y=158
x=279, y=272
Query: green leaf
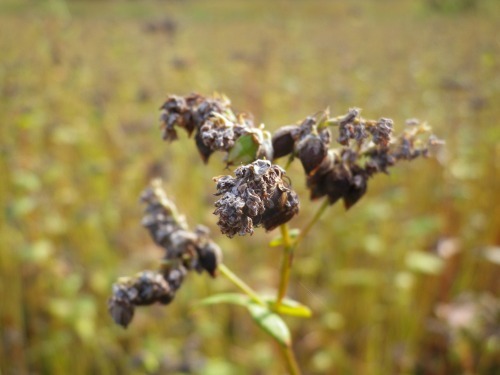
x=278, y=240
x=289, y=307
x=271, y=323
x=244, y=150
x=231, y=298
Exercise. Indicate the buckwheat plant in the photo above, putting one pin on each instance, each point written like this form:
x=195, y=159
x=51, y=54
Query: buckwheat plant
x=337, y=167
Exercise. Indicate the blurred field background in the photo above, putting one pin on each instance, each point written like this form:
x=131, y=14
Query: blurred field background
x=407, y=282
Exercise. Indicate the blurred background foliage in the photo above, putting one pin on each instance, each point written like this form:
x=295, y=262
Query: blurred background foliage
x=404, y=283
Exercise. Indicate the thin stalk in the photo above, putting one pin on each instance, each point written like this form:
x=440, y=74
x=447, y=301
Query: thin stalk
x=290, y=360
x=286, y=263
x=313, y=221
x=240, y=284
x=289, y=248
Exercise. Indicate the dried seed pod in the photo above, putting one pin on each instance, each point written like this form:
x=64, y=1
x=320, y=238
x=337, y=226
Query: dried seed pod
x=189, y=112
x=148, y=288
x=283, y=140
x=311, y=151
x=120, y=307
x=204, y=150
x=357, y=188
x=284, y=205
x=337, y=183
x=175, y=276
x=209, y=257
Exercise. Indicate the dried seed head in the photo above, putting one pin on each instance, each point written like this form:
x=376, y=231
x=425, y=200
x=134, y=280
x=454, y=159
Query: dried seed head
x=382, y=131
x=350, y=128
x=219, y=134
x=337, y=183
x=189, y=112
x=145, y=289
x=357, y=187
x=258, y=195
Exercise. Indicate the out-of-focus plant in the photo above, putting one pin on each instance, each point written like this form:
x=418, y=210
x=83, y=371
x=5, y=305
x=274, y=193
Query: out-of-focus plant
x=260, y=194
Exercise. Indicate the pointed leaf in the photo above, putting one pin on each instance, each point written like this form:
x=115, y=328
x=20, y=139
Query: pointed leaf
x=289, y=307
x=231, y=298
x=271, y=323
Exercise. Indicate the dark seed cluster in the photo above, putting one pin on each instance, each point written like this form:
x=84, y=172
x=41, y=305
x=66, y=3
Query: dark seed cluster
x=189, y=112
x=367, y=148
x=184, y=251
x=258, y=195
x=145, y=289
x=214, y=123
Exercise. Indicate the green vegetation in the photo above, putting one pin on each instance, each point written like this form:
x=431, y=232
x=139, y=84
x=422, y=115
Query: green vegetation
x=404, y=283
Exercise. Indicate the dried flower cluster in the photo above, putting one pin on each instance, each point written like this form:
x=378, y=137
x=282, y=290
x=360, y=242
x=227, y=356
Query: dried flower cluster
x=259, y=195
x=367, y=148
x=184, y=251
x=216, y=126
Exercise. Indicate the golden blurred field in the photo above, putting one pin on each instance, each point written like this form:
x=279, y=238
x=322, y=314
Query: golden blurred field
x=404, y=283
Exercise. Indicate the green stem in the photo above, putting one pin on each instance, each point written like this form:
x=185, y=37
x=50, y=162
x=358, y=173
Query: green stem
x=289, y=248
x=290, y=360
x=286, y=263
x=240, y=284
x=313, y=221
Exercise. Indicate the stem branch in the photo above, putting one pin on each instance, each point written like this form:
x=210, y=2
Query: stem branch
x=240, y=284
x=289, y=248
x=286, y=263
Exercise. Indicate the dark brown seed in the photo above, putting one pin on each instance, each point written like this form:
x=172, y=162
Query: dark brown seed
x=357, y=188
x=283, y=140
x=121, y=310
x=209, y=257
x=282, y=210
x=311, y=151
x=204, y=150
x=337, y=183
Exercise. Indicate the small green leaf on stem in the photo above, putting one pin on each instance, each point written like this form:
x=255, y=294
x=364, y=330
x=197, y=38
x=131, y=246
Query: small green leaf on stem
x=271, y=323
x=231, y=298
x=289, y=307
x=278, y=240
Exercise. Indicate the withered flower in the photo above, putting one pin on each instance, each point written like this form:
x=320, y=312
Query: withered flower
x=169, y=230
x=185, y=251
x=219, y=133
x=259, y=195
x=351, y=128
x=381, y=131
x=189, y=112
x=145, y=289
x=344, y=173
x=215, y=125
